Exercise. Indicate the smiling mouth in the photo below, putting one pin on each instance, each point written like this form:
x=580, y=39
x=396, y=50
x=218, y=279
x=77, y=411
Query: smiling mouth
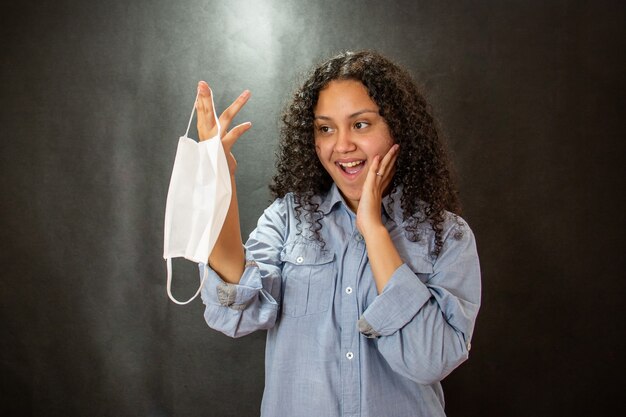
x=351, y=167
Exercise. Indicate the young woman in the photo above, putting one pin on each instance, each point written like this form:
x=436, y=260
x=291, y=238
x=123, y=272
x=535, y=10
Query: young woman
x=367, y=282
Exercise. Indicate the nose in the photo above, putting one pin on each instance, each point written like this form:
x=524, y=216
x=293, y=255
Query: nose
x=344, y=143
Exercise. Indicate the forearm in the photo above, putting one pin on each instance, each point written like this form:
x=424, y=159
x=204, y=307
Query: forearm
x=383, y=256
x=227, y=257
x=421, y=331
x=237, y=310
x=427, y=348
x=424, y=319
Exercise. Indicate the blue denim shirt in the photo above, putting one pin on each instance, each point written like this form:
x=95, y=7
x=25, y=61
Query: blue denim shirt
x=335, y=347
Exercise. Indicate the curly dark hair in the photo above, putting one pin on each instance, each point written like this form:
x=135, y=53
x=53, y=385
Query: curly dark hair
x=422, y=167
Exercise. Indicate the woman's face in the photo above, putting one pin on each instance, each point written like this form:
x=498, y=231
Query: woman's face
x=349, y=133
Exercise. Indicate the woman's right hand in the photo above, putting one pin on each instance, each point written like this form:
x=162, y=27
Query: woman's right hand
x=207, y=128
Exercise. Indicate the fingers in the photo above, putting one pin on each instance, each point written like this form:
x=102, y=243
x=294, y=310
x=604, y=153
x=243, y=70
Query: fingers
x=370, y=179
x=381, y=171
x=207, y=128
x=229, y=114
x=231, y=137
x=387, y=165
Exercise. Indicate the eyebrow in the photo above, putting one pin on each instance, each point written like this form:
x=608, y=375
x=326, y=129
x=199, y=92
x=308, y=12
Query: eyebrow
x=352, y=116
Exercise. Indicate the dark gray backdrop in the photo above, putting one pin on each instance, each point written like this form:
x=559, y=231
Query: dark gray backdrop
x=94, y=96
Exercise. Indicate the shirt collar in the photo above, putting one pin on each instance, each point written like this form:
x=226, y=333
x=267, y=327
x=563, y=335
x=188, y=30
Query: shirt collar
x=332, y=197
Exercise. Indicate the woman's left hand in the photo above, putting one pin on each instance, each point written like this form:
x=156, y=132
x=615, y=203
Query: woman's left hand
x=378, y=178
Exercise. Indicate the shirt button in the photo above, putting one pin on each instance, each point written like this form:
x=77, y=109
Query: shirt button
x=348, y=290
x=299, y=259
x=359, y=237
x=349, y=355
x=469, y=346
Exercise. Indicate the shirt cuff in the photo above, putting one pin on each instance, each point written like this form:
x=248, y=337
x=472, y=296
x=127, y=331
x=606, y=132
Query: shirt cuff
x=366, y=329
x=235, y=296
x=401, y=299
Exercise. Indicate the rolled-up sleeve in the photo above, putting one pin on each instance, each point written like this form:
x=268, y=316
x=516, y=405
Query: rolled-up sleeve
x=403, y=296
x=424, y=329
x=253, y=304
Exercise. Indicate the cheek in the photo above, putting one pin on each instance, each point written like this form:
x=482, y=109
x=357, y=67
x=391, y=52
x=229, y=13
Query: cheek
x=318, y=152
x=382, y=141
x=381, y=145
x=321, y=151
x=389, y=141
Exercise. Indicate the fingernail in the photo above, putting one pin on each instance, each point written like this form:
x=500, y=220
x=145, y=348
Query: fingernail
x=203, y=87
x=245, y=94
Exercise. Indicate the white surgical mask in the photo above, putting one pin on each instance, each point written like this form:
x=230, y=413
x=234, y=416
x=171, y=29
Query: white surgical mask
x=197, y=202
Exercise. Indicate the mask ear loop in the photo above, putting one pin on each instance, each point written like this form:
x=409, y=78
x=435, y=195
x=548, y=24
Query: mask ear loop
x=193, y=110
x=205, y=275
x=169, y=283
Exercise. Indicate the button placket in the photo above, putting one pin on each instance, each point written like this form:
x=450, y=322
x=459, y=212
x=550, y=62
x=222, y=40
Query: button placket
x=350, y=337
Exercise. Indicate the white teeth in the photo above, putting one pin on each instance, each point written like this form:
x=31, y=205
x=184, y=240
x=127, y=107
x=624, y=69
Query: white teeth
x=350, y=164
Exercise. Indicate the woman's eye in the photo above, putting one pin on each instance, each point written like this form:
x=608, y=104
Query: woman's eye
x=324, y=129
x=361, y=125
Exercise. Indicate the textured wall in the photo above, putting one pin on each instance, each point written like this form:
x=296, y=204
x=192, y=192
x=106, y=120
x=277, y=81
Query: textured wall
x=94, y=96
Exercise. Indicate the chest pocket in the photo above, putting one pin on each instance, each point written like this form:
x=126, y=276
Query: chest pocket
x=416, y=257
x=308, y=278
x=422, y=267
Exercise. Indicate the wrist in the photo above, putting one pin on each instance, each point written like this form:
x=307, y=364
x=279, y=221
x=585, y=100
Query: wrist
x=374, y=232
